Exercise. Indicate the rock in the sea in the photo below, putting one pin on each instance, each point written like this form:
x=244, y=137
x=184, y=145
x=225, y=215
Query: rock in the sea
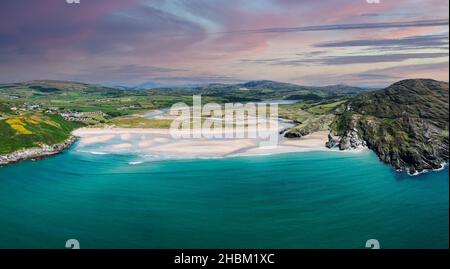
x=332, y=141
x=295, y=133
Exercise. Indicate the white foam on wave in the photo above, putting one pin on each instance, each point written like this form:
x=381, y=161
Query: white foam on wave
x=147, y=158
x=98, y=153
x=135, y=163
x=94, y=152
x=443, y=165
x=415, y=173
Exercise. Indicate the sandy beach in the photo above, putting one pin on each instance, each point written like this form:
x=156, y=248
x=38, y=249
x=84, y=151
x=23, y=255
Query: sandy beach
x=160, y=142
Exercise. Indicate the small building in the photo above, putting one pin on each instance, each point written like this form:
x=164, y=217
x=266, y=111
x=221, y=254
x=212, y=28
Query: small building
x=33, y=107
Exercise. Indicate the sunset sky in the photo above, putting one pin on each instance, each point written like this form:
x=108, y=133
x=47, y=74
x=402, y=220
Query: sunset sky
x=307, y=42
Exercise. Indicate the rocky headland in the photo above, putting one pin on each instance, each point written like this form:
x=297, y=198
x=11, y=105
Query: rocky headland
x=36, y=152
x=406, y=124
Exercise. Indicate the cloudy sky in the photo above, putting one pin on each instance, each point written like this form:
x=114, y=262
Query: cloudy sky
x=307, y=42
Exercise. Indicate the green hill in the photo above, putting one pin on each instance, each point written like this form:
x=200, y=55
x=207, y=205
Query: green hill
x=263, y=90
x=406, y=124
x=20, y=132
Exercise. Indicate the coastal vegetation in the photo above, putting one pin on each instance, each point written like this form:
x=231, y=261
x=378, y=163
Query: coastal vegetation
x=135, y=121
x=35, y=130
x=310, y=117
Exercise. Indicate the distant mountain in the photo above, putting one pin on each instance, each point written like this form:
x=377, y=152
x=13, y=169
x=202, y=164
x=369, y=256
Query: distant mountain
x=154, y=85
x=406, y=124
x=288, y=91
x=338, y=88
x=148, y=85
x=257, y=84
x=49, y=88
x=134, y=86
x=260, y=90
x=346, y=89
x=250, y=91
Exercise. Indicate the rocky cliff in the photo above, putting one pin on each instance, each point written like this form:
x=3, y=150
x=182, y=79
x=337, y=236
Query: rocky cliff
x=406, y=124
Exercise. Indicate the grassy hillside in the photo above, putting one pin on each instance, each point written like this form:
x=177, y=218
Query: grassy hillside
x=64, y=95
x=263, y=90
x=406, y=124
x=34, y=130
x=310, y=116
x=4, y=108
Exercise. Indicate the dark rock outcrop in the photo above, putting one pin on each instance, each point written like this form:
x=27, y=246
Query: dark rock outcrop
x=351, y=140
x=332, y=141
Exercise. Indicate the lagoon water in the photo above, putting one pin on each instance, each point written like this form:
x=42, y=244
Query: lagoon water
x=301, y=200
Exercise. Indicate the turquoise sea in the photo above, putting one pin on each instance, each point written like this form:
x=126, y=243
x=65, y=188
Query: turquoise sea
x=301, y=200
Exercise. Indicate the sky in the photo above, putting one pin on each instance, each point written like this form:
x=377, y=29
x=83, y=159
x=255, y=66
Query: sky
x=184, y=42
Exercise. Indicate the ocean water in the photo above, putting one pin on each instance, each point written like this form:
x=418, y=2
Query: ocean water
x=301, y=200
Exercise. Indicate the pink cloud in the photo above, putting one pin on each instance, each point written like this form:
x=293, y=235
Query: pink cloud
x=70, y=39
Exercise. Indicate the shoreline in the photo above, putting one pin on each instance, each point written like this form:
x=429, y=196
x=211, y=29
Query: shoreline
x=36, y=153
x=159, y=142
